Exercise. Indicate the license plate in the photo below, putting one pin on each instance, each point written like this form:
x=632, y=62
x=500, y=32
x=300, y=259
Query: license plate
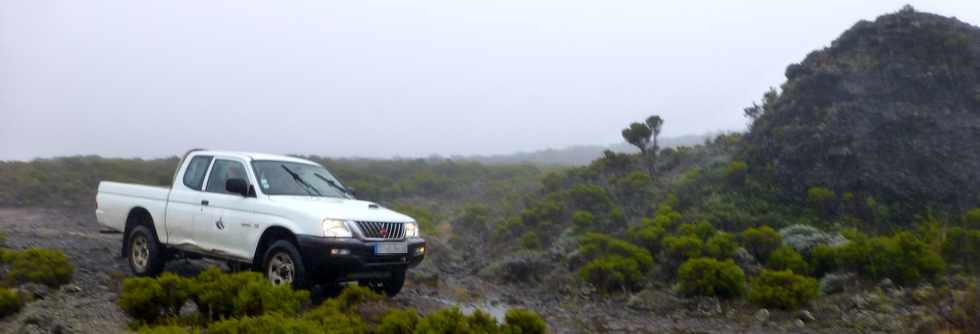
x=390, y=248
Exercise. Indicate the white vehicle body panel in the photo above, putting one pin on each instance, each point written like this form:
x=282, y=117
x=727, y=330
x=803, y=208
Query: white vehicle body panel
x=222, y=224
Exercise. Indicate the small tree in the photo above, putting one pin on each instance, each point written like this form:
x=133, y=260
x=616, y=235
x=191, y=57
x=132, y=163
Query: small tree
x=639, y=135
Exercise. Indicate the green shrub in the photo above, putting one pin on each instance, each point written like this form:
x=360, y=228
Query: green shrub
x=259, y=297
x=702, y=230
x=354, y=295
x=398, y=321
x=760, y=241
x=523, y=321
x=592, y=245
x=721, y=246
x=962, y=247
x=10, y=302
x=482, y=322
x=170, y=329
x=824, y=259
x=782, y=289
x=785, y=258
x=710, y=277
x=445, y=321
x=583, y=219
x=822, y=199
x=681, y=248
x=142, y=299
x=176, y=292
x=971, y=218
x=339, y=315
x=902, y=257
x=530, y=240
x=215, y=292
x=37, y=265
x=271, y=324
x=612, y=272
x=647, y=235
x=735, y=172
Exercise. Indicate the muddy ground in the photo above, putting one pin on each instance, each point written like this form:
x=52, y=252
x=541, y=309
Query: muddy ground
x=87, y=305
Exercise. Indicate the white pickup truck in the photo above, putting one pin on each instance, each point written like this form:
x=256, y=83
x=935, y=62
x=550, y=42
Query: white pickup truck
x=287, y=217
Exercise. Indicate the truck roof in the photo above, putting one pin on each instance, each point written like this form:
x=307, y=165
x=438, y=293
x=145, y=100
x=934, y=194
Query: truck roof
x=252, y=156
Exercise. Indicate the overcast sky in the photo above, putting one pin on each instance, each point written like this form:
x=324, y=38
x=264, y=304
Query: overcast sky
x=393, y=78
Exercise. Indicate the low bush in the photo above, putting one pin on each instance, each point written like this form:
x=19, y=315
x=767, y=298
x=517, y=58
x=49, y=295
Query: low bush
x=647, y=235
x=760, y=241
x=824, y=259
x=611, y=273
x=962, y=247
x=592, y=245
x=142, y=299
x=10, y=302
x=782, y=289
x=270, y=324
x=721, y=246
x=217, y=294
x=902, y=257
x=804, y=238
x=822, y=199
x=398, y=322
x=710, y=277
x=785, y=258
x=259, y=296
x=702, y=230
x=37, y=265
x=530, y=240
x=445, y=321
x=170, y=329
x=681, y=248
x=523, y=321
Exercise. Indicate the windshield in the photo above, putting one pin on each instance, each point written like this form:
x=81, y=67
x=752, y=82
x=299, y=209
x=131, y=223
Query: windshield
x=298, y=179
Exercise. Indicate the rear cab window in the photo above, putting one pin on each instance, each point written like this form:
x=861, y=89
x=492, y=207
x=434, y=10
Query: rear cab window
x=196, y=169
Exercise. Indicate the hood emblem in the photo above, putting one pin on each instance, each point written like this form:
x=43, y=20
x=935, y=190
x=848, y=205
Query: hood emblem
x=383, y=231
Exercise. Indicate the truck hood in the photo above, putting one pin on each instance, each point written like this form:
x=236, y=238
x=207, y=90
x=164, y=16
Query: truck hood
x=339, y=208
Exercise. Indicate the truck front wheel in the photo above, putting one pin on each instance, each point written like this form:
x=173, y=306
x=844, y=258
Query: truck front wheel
x=145, y=258
x=390, y=286
x=284, y=266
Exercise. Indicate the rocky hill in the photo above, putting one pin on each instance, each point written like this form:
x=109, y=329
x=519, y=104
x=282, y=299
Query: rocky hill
x=891, y=109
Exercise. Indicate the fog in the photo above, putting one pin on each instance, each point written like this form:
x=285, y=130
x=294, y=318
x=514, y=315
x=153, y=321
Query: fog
x=393, y=78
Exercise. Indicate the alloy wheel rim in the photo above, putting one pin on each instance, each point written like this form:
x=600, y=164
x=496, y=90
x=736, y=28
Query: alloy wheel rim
x=140, y=252
x=281, y=269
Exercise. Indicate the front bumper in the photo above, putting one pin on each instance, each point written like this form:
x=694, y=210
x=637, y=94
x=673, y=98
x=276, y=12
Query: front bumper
x=358, y=261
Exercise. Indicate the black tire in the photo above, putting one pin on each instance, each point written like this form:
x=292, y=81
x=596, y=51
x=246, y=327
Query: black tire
x=390, y=286
x=143, y=252
x=284, y=255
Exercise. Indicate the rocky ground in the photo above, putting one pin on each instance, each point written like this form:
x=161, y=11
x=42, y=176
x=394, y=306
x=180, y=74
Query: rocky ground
x=87, y=305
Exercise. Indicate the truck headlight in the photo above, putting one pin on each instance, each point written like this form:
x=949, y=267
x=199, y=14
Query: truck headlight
x=335, y=228
x=411, y=230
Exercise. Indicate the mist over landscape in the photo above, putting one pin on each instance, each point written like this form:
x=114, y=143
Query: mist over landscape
x=385, y=79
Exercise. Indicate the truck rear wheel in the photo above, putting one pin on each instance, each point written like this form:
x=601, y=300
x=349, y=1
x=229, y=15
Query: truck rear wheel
x=283, y=265
x=144, y=254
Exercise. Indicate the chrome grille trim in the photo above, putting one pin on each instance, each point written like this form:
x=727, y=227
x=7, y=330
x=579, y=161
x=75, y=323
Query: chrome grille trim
x=381, y=230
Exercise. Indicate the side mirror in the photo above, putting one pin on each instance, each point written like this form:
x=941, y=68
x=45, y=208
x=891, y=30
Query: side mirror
x=352, y=192
x=237, y=186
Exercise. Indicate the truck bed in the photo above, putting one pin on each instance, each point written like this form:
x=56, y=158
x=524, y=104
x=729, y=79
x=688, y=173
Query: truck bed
x=116, y=199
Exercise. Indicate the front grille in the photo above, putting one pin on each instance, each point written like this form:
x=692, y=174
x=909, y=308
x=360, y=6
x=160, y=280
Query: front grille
x=382, y=230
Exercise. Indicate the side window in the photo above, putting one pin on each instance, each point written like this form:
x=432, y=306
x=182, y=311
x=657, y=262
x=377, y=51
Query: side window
x=221, y=172
x=194, y=175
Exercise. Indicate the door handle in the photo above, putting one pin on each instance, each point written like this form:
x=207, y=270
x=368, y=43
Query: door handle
x=205, y=202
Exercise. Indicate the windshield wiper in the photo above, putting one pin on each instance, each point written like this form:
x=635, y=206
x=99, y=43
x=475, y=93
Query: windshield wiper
x=306, y=186
x=332, y=183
